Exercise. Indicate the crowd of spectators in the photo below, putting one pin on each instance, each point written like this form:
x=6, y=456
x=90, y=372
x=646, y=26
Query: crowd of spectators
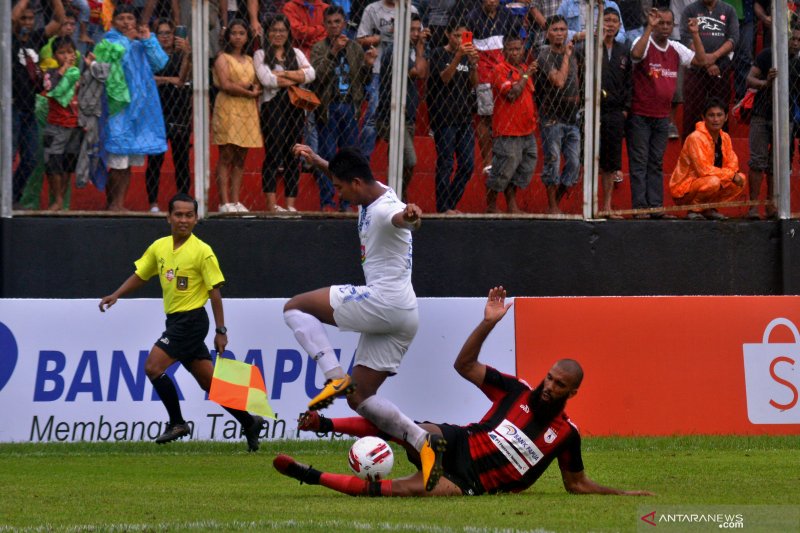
x=497, y=76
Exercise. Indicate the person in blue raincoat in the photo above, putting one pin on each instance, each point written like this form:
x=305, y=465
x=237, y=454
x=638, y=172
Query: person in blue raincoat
x=136, y=126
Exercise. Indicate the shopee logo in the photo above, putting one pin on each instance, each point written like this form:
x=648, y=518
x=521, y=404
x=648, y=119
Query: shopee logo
x=772, y=378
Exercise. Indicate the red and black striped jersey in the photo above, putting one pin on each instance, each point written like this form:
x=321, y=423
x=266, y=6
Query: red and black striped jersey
x=509, y=448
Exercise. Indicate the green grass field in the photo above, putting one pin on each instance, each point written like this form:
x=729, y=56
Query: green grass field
x=206, y=486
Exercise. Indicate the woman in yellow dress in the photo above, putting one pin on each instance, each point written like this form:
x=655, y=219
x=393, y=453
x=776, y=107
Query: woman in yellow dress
x=235, y=122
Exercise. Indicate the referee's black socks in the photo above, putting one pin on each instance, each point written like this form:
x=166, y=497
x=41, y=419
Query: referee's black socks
x=169, y=397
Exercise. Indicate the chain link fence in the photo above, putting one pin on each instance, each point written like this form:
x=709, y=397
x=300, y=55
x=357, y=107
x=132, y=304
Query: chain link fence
x=510, y=108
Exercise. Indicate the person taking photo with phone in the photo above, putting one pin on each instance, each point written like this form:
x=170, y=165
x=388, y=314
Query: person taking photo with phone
x=453, y=76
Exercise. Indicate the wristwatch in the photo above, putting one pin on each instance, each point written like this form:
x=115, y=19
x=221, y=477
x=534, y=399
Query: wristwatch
x=222, y=330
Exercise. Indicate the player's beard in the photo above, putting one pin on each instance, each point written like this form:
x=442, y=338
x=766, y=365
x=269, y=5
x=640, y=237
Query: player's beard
x=544, y=411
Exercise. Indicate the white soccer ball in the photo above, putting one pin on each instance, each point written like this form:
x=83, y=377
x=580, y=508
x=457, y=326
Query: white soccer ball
x=371, y=458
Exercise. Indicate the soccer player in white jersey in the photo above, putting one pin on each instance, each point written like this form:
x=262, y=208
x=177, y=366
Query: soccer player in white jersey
x=384, y=310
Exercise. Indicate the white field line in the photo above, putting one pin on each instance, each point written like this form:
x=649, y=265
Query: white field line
x=258, y=525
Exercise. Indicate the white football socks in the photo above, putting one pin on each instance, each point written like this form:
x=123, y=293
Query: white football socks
x=390, y=419
x=310, y=333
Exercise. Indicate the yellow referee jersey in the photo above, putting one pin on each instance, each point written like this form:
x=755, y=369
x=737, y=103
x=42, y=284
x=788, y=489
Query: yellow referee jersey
x=186, y=274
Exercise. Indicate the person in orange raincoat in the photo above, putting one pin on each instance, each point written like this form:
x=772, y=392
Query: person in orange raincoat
x=708, y=169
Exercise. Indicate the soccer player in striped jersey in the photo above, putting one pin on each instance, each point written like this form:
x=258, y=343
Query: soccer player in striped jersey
x=522, y=433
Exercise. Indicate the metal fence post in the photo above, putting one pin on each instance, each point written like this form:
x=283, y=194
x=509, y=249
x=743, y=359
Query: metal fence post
x=200, y=114
x=397, y=120
x=780, y=120
x=591, y=107
x=6, y=112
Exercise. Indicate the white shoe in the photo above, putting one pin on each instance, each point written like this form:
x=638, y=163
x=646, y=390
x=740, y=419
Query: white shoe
x=154, y=209
x=239, y=208
x=278, y=209
x=227, y=208
x=291, y=209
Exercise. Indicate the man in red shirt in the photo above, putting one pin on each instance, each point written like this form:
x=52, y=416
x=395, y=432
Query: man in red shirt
x=655, y=59
x=513, y=125
x=489, y=22
x=520, y=435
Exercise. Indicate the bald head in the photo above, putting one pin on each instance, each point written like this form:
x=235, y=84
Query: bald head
x=572, y=370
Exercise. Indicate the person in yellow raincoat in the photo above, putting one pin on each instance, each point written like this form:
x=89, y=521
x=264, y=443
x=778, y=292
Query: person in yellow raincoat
x=708, y=169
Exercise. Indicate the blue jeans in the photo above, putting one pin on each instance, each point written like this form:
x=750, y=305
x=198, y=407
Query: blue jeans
x=369, y=132
x=25, y=137
x=310, y=131
x=560, y=138
x=341, y=130
x=647, y=141
x=458, y=139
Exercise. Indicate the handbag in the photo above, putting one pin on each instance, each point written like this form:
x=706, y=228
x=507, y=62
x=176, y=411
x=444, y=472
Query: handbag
x=303, y=98
x=744, y=107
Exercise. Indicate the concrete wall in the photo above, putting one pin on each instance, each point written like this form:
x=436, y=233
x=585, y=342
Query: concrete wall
x=76, y=257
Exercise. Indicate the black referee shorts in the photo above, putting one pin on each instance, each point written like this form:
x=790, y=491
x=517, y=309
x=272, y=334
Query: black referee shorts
x=457, y=461
x=184, y=338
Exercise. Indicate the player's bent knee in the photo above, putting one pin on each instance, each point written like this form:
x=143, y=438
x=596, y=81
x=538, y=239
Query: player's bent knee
x=291, y=305
x=157, y=363
x=153, y=370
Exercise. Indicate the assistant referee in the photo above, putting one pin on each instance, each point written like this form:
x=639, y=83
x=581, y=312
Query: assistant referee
x=189, y=274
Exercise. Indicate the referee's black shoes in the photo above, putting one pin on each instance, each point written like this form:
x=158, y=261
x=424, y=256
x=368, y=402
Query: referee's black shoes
x=253, y=433
x=173, y=432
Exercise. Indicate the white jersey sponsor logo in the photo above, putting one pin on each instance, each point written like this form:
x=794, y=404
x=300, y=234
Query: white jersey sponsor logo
x=506, y=449
x=516, y=446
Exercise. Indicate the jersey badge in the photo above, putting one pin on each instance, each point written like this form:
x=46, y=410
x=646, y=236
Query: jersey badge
x=170, y=275
x=183, y=283
x=550, y=435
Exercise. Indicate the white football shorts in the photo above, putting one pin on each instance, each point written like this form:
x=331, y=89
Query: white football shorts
x=386, y=331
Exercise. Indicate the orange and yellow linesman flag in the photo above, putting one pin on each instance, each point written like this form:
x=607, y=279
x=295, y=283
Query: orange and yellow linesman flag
x=239, y=386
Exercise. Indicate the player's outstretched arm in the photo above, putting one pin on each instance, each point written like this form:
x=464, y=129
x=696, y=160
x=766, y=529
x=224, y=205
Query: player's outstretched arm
x=129, y=285
x=467, y=364
x=409, y=218
x=579, y=483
